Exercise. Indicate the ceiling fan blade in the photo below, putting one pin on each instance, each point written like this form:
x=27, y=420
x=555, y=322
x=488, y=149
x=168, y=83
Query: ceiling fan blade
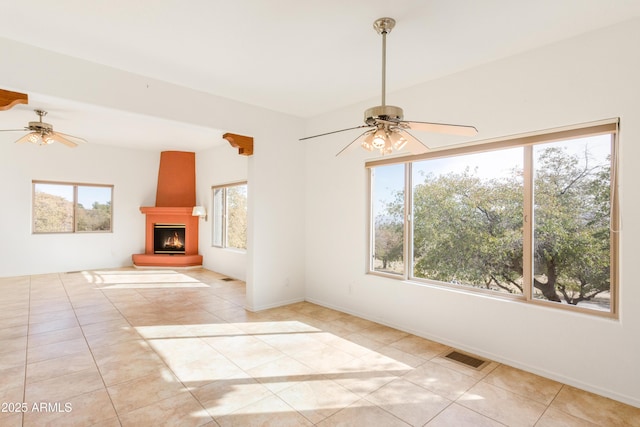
x=441, y=128
x=353, y=144
x=56, y=136
x=24, y=138
x=414, y=145
x=335, y=131
x=66, y=135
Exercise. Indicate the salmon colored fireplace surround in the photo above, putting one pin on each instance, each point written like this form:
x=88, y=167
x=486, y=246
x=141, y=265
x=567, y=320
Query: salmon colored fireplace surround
x=175, y=199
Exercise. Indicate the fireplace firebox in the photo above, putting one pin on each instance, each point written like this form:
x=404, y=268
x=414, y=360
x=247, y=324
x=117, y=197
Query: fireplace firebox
x=169, y=239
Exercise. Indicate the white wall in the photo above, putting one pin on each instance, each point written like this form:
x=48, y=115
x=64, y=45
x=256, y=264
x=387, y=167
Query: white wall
x=133, y=175
x=588, y=78
x=217, y=166
x=275, y=259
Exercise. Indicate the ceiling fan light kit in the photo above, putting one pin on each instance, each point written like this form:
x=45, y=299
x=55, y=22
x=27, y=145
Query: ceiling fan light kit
x=43, y=134
x=388, y=131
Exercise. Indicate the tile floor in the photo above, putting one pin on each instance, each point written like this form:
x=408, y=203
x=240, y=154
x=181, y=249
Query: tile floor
x=132, y=347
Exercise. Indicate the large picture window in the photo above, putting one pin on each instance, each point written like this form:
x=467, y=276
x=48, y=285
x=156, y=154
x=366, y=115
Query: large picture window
x=532, y=218
x=71, y=208
x=230, y=216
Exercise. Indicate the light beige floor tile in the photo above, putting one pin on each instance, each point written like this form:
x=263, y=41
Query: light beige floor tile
x=53, y=337
x=146, y=390
x=102, y=316
x=10, y=311
x=12, y=359
x=378, y=362
x=106, y=326
x=401, y=356
x=459, y=416
x=13, y=344
x=62, y=388
x=282, y=373
x=226, y=396
x=182, y=410
x=51, y=368
x=11, y=419
x=420, y=347
x=596, y=409
x=57, y=349
x=556, y=418
x=327, y=360
x=268, y=412
x=55, y=325
x=213, y=330
x=201, y=371
x=67, y=314
x=317, y=399
x=366, y=342
x=358, y=377
x=291, y=343
x=524, y=383
x=362, y=414
x=383, y=334
x=126, y=361
x=245, y=351
x=502, y=405
x=14, y=321
x=7, y=332
x=11, y=385
x=409, y=402
x=112, y=337
x=85, y=410
x=342, y=343
x=352, y=323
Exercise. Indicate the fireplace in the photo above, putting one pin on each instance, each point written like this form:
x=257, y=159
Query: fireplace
x=171, y=230
x=169, y=239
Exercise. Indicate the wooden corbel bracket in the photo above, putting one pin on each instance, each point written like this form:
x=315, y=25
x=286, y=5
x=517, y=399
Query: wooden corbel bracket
x=8, y=99
x=244, y=144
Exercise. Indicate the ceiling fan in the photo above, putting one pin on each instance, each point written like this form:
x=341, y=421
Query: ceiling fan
x=42, y=133
x=386, y=129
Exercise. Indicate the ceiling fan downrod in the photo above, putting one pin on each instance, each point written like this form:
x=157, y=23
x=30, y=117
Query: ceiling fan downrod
x=383, y=26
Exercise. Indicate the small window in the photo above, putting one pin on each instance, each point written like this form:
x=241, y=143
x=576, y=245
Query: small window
x=230, y=216
x=71, y=208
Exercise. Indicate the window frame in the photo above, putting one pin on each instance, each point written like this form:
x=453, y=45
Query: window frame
x=224, y=214
x=75, y=186
x=527, y=141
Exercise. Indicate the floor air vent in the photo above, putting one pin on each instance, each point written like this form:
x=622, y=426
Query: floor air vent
x=227, y=279
x=465, y=359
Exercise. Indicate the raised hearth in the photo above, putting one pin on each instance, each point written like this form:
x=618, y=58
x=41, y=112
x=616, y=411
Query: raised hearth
x=180, y=216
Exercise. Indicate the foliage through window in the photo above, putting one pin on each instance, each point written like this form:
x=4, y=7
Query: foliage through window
x=69, y=208
x=230, y=216
x=533, y=219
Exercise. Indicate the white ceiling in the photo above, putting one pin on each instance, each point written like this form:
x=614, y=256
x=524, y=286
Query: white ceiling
x=298, y=57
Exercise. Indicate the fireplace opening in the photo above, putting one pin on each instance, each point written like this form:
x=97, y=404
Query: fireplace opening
x=168, y=238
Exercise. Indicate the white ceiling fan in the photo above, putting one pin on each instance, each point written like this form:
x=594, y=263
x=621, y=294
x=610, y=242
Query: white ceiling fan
x=43, y=134
x=386, y=129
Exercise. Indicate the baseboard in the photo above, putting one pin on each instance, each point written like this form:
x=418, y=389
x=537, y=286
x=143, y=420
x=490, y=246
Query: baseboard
x=273, y=305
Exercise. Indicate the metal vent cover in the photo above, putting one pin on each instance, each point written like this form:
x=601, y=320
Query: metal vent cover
x=227, y=279
x=466, y=359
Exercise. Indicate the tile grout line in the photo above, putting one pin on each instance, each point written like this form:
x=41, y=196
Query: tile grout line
x=26, y=351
